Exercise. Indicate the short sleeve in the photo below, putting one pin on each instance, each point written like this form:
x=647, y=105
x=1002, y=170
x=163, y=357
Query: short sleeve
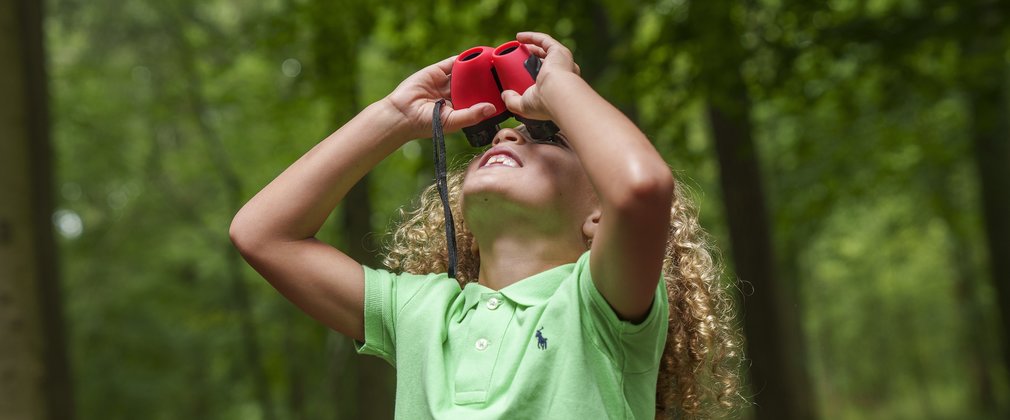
x=387, y=295
x=636, y=347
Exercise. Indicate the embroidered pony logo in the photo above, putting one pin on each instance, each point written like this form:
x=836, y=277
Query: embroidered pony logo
x=541, y=340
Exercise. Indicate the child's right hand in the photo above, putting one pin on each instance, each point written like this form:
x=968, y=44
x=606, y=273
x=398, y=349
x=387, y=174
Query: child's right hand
x=415, y=99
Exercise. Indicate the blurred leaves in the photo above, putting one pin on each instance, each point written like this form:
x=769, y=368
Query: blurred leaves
x=859, y=113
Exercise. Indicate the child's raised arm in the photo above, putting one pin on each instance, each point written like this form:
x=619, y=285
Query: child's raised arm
x=634, y=184
x=275, y=231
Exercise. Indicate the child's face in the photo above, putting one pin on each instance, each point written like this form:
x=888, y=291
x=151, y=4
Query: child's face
x=520, y=174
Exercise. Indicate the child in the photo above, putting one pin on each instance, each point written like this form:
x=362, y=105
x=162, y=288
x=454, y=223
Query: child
x=583, y=274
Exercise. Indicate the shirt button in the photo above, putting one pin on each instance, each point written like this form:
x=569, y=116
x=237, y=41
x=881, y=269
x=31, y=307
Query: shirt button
x=481, y=344
x=493, y=303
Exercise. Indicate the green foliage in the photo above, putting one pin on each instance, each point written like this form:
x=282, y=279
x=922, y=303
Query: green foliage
x=169, y=115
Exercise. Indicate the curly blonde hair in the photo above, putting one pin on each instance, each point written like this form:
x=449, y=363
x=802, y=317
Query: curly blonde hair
x=699, y=370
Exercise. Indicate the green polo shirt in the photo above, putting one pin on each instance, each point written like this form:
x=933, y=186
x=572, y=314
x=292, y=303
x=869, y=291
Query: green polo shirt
x=548, y=346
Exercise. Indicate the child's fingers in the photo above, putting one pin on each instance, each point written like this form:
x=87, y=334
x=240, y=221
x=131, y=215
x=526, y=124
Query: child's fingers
x=455, y=119
x=536, y=50
x=514, y=101
x=548, y=43
x=445, y=89
x=445, y=65
x=549, y=49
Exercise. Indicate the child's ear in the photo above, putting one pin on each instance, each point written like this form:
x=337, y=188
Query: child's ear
x=590, y=226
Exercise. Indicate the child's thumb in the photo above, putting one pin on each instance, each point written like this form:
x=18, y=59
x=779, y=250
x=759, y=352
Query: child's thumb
x=456, y=119
x=513, y=101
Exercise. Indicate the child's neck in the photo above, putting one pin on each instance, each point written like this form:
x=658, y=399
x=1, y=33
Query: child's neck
x=510, y=258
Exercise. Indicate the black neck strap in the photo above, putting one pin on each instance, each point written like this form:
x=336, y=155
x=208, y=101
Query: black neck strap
x=443, y=189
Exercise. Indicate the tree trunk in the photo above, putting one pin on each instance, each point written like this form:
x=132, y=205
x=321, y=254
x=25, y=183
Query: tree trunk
x=34, y=371
x=364, y=386
x=975, y=343
x=778, y=373
x=985, y=79
x=367, y=383
x=176, y=20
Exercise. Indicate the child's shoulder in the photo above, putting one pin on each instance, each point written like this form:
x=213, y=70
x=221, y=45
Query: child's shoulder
x=404, y=287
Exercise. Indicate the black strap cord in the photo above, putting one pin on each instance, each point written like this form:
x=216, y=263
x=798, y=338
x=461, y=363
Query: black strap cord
x=443, y=188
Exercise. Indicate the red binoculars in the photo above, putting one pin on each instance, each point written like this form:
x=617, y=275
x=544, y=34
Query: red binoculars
x=481, y=74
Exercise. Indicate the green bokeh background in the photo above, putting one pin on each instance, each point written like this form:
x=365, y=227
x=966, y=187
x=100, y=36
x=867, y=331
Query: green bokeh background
x=168, y=115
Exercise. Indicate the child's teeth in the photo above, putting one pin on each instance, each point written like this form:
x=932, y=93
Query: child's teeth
x=502, y=159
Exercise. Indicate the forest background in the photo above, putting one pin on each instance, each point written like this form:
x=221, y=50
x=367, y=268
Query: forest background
x=851, y=158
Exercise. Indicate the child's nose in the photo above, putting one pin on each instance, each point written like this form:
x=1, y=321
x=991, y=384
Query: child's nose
x=508, y=134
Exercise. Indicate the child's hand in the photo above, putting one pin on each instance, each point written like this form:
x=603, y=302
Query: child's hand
x=557, y=59
x=415, y=99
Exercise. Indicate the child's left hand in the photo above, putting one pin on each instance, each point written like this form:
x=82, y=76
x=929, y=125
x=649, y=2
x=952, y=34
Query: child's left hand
x=557, y=59
x=415, y=99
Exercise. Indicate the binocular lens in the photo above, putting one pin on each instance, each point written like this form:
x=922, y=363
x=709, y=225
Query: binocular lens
x=507, y=50
x=471, y=54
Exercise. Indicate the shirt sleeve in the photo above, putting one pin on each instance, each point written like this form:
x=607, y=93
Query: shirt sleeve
x=635, y=347
x=386, y=296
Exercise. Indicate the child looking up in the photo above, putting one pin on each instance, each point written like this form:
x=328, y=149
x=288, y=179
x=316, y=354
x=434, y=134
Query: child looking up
x=585, y=287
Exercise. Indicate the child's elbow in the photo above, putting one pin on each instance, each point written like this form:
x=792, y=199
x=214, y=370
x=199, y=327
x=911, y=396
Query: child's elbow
x=242, y=234
x=647, y=190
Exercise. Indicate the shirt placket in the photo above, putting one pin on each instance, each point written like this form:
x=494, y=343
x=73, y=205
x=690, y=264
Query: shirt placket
x=485, y=336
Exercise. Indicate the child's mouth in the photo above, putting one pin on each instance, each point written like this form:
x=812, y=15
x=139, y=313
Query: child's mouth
x=501, y=160
x=501, y=156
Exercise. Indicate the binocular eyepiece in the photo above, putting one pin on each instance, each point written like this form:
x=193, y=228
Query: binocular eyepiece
x=481, y=74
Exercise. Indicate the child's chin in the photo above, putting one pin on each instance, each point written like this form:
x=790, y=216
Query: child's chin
x=486, y=180
x=485, y=191
x=491, y=195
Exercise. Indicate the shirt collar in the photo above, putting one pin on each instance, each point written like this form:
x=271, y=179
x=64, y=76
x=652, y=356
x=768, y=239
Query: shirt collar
x=530, y=291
